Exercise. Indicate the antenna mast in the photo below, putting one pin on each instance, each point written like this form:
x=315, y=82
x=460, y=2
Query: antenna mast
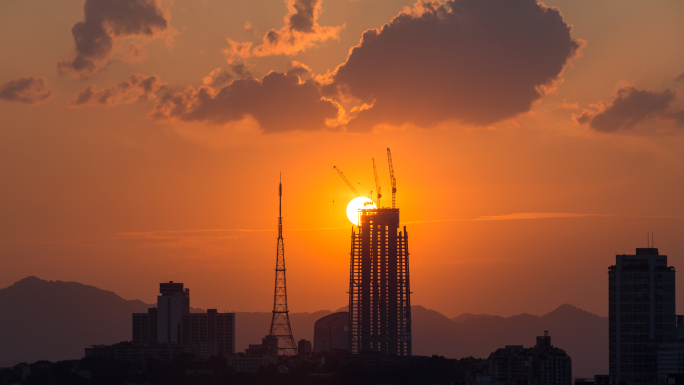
x=280, y=323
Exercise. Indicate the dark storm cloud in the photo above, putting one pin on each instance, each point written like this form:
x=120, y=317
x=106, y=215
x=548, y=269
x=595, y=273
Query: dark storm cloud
x=475, y=61
x=31, y=90
x=278, y=102
x=105, y=20
x=631, y=107
x=136, y=87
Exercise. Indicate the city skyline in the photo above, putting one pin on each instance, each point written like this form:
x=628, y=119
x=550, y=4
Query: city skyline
x=520, y=205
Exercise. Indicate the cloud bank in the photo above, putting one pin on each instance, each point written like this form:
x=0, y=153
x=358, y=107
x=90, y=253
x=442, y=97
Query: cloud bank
x=136, y=87
x=279, y=102
x=31, y=90
x=108, y=20
x=474, y=61
x=631, y=107
x=299, y=32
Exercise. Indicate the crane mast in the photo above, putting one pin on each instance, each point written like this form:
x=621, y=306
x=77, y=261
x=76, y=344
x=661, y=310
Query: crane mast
x=344, y=178
x=392, y=178
x=377, y=184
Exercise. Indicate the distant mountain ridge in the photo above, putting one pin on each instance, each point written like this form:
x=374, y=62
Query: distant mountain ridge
x=56, y=320
x=583, y=335
x=468, y=316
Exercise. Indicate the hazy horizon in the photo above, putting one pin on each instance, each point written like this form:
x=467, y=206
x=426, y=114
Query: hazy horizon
x=331, y=309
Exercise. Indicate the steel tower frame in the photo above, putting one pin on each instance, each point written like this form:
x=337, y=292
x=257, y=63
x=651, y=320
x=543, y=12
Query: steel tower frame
x=379, y=285
x=280, y=323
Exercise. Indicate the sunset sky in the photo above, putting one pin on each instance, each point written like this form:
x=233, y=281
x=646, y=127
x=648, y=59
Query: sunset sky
x=142, y=140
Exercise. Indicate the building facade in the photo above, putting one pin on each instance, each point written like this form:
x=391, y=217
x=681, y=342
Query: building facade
x=331, y=333
x=379, y=285
x=145, y=327
x=172, y=304
x=210, y=333
x=304, y=347
x=542, y=364
x=641, y=291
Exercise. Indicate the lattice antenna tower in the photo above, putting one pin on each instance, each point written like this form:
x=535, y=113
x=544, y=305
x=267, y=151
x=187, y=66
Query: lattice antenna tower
x=280, y=323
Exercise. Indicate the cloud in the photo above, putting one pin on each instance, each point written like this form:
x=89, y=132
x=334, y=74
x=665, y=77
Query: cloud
x=31, y=90
x=108, y=20
x=299, y=69
x=136, y=87
x=631, y=107
x=474, y=61
x=299, y=32
x=219, y=77
x=278, y=102
x=249, y=28
x=532, y=216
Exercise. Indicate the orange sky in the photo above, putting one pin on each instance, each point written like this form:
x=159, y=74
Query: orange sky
x=526, y=156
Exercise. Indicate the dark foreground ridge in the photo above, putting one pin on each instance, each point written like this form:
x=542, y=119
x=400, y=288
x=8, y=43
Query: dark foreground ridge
x=54, y=320
x=325, y=369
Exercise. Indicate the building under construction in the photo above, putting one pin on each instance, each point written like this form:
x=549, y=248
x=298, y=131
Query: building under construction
x=379, y=285
x=379, y=288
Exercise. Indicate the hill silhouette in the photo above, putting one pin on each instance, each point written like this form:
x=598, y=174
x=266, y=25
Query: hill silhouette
x=55, y=320
x=583, y=335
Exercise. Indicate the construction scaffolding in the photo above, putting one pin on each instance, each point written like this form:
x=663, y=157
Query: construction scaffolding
x=379, y=285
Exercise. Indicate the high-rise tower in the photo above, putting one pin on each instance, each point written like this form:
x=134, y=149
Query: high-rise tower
x=379, y=285
x=280, y=323
x=641, y=315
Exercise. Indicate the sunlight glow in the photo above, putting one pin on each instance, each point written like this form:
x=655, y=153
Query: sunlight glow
x=356, y=204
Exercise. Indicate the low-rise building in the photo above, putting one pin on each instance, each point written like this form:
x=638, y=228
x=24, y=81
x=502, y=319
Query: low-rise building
x=210, y=333
x=542, y=364
x=256, y=356
x=304, y=347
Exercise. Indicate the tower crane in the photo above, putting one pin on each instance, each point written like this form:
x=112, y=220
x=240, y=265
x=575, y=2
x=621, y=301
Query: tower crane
x=392, y=178
x=377, y=184
x=344, y=178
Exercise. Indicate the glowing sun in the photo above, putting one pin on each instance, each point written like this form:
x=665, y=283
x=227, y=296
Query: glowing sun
x=356, y=204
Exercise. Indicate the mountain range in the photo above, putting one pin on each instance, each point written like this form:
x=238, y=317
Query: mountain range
x=55, y=320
